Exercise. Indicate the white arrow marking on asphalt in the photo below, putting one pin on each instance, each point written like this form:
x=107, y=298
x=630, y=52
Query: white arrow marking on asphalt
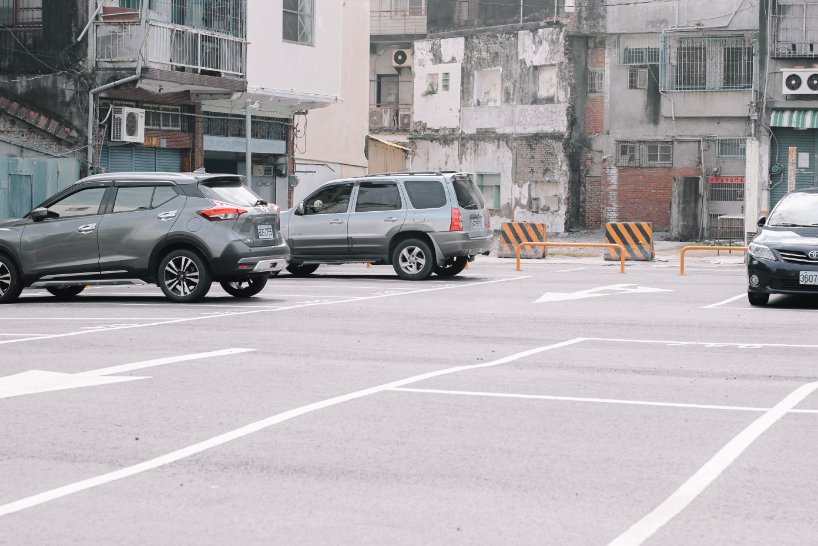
x=598, y=292
x=37, y=381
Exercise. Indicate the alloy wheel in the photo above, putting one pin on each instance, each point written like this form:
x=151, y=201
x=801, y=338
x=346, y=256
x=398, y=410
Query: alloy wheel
x=5, y=279
x=181, y=276
x=412, y=259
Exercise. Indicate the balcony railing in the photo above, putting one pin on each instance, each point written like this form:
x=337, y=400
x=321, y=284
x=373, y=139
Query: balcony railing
x=794, y=35
x=397, y=22
x=169, y=47
x=394, y=118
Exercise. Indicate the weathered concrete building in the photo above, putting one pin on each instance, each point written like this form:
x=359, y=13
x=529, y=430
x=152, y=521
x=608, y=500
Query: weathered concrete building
x=667, y=95
x=492, y=92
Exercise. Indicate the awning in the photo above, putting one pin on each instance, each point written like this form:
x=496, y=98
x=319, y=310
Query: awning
x=797, y=119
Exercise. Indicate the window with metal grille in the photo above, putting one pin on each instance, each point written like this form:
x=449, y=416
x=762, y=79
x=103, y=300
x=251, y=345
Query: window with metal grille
x=444, y=82
x=640, y=55
x=738, y=67
x=299, y=21
x=794, y=30
x=21, y=13
x=409, y=7
x=644, y=154
x=637, y=77
x=713, y=63
x=164, y=117
x=596, y=81
x=691, y=65
x=731, y=148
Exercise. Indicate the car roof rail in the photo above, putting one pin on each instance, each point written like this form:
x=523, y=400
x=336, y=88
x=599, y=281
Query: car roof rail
x=415, y=173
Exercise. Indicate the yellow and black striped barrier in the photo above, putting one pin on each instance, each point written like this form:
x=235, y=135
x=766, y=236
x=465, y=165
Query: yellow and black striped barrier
x=514, y=233
x=635, y=237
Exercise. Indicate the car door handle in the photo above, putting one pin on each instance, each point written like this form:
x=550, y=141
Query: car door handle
x=390, y=219
x=167, y=215
x=336, y=221
x=87, y=228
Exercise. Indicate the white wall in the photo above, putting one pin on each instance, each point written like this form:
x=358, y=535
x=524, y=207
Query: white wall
x=441, y=109
x=273, y=63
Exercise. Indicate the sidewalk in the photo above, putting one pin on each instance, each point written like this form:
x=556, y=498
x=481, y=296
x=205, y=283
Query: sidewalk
x=666, y=251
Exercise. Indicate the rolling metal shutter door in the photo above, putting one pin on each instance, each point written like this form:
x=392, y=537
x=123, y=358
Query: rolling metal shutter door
x=140, y=159
x=806, y=141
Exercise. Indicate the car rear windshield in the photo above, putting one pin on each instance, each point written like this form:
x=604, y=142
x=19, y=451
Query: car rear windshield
x=468, y=195
x=229, y=191
x=426, y=194
x=796, y=210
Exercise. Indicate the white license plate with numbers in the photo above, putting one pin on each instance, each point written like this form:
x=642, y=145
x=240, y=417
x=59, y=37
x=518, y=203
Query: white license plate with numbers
x=808, y=277
x=265, y=231
x=476, y=222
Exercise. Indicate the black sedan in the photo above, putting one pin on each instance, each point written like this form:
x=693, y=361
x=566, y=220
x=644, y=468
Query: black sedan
x=783, y=258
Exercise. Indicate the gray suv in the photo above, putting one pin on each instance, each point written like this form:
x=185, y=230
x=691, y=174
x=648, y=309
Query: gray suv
x=179, y=231
x=420, y=223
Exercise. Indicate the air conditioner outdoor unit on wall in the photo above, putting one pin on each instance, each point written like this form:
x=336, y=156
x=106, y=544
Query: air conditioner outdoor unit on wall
x=800, y=82
x=128, y=125
x=402, y=58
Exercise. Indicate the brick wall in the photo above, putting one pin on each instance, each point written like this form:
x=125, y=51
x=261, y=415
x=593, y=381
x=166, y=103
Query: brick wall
x=537, y=159
x=628, y=194
x=594, y=114
x=596, y=57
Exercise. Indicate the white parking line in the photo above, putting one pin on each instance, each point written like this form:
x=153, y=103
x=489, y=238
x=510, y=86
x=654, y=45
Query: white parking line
x=165, y=321
x=707, y=474
x=257, y=426
x=728, y=300
x=707, y=344
x=571, y=270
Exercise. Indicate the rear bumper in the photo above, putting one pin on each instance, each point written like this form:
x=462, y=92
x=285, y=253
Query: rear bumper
x=451, y=244
x=239, y=260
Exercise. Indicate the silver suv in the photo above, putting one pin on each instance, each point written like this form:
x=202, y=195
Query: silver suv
x=179, y=231
x=420, y=223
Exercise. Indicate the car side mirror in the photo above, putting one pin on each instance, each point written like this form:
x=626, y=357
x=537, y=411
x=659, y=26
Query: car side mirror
x=762, y=221
x=299, y=210
x=38, y=214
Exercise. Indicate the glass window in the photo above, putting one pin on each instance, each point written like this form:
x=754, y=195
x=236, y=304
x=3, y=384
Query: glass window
x=331, y=200
x=82, y=203
x=468, y=196
x=388, y=90
x=489, y=184
x=374, y=197
x=21, y=13
x=231, y=191
x=298, y=21
x=800, y=209
x=161, y=195
x=659, y=154
x=444, y=84
x=426, y=194
x=133, y=198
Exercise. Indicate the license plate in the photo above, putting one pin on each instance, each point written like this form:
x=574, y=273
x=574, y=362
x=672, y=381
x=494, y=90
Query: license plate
x=477, y=223
x=265, y=231
x=808, y=277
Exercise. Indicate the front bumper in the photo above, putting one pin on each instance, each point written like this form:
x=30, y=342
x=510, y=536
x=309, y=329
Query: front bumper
x=778, y=277
x=239, y=260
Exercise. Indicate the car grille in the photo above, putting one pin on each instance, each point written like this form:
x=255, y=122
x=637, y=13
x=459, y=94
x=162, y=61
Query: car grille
x=796, y=257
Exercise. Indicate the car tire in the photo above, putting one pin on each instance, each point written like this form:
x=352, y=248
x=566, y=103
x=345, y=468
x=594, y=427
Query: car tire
x=245, y=288
x=11, y=283
x=758, y=298
x=184, y=277
x=457, y=265
x=302, y=270
x=65, y=292
x=413, y=260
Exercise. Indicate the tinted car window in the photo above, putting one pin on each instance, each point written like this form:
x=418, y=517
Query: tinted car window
x=331, y=200
x=232, y=192
x=797, y=209
x=468, y=195
x=83, y=203
x=130, y=199
x=373, y=197
x=425, y=194
x=161, y=195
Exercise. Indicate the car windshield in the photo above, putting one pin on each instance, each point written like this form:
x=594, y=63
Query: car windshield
x=231, y=191
x=468, y=195
x=795, y=210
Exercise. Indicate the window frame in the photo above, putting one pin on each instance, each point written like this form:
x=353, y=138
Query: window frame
x=151, y=205
x=596, y=81
x=364, y=185
x=639, y=153
x=161, y=110
x=305, y=19
x=16, y=10
x=100, y=209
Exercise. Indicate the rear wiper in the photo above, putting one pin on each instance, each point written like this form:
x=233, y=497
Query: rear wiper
x=473, y=206
x=787, y=224
x=260, y=203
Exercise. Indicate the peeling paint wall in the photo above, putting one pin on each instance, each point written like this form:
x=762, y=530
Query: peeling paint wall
x=512, y=118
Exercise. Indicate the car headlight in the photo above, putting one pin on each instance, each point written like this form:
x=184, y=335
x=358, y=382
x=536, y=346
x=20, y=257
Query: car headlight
x=761, y=252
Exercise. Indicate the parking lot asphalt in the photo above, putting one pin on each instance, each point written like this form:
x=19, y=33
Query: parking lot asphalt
x=563, y=404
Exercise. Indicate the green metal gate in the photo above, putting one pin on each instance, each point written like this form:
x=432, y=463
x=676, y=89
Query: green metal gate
x=806, y=142
x=26, y=182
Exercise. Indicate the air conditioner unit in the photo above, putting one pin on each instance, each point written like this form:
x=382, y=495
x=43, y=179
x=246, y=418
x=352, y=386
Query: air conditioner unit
x=800, y=82
x=375, y=119
x=402, y=58
x=404, y=120
x=263, y=170
x=128, y=125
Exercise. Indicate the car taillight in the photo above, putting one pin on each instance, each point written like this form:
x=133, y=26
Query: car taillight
x=488, y=220
x=222, y=213
x=455, y=225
